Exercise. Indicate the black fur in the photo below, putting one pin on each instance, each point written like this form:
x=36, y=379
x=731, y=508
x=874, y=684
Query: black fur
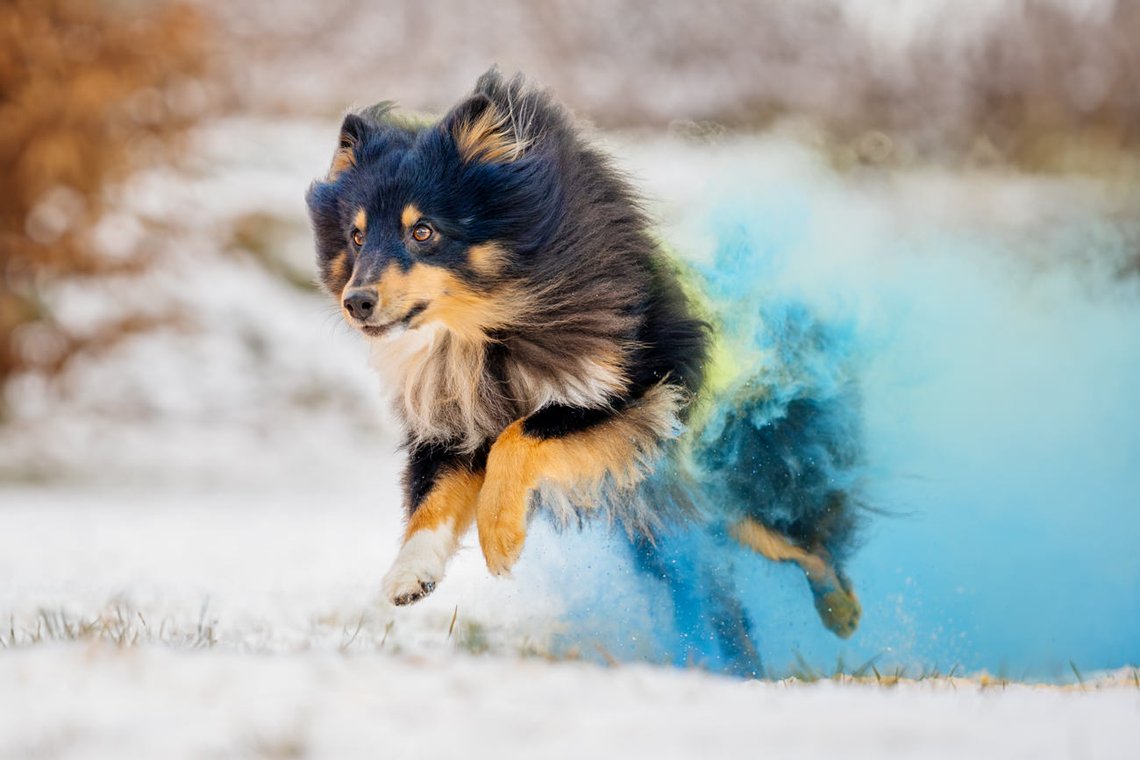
x=560, y=420
x=426, y=462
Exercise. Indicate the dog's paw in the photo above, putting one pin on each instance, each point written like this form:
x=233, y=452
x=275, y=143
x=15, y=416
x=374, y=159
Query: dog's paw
x=837, y=605
x=402, y=587
x=418, y=568
x=502, y=542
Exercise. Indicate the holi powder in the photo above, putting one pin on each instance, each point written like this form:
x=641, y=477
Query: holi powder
x=983, y=379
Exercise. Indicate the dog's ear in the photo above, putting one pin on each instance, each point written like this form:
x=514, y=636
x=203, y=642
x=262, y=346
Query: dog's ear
x=485, y=131
x=357, y=128
x=353, y=131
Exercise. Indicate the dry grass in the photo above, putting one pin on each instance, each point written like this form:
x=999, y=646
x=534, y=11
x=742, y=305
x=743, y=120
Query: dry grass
x=120, y=625
x=124, y=626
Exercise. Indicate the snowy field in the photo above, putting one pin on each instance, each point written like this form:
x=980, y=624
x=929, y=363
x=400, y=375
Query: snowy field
x=239, y=625
x=191, y=537
x=97, y=702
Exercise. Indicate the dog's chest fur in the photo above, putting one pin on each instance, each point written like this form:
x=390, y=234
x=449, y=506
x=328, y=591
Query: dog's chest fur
x=464, y=393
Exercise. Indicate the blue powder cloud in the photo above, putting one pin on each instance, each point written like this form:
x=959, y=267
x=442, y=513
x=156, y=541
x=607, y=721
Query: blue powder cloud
x=998, y=379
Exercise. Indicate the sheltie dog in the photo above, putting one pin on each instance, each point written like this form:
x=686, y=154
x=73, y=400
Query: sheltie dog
x=543, y=352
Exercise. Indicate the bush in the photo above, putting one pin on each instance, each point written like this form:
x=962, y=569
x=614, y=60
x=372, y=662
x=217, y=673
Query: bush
x=89, y=91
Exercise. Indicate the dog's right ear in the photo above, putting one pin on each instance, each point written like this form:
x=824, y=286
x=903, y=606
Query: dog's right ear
x=353, y=131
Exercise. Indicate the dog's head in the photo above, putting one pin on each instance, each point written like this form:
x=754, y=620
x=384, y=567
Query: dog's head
x=427, y=223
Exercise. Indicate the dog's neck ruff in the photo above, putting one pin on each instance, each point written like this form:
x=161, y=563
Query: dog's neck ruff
x=444, y=391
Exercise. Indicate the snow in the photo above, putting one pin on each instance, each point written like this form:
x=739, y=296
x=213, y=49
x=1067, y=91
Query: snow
x=192, y=566
x=95, y=702
x=298, y=660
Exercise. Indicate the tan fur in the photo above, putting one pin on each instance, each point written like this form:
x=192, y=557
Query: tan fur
x=487, y=259
x=450, y=301
x=618, y=452
x=488, y=138
x=450, y=503
x=774, y=546
x=338, y=269
x=343, y=160
x=467, y=313
x=361, y=220
x=409, y=216
x=834, y=599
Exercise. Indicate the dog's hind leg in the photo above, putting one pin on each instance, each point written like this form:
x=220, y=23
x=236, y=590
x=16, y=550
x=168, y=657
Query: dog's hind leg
x=442, y=489
x=704, y=596
x=835, y=599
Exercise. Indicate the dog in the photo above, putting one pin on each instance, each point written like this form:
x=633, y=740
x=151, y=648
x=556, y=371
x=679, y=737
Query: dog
x=543, y=352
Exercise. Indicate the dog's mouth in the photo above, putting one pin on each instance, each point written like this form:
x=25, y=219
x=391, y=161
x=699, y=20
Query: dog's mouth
x=375, y=331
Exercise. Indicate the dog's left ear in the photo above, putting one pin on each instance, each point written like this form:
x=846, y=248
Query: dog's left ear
x=483, y=131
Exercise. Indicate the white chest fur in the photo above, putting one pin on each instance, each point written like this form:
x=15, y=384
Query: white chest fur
x=440, y=388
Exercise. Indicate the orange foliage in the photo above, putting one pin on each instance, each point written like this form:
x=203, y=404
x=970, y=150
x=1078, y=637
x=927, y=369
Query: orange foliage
x=89, y=91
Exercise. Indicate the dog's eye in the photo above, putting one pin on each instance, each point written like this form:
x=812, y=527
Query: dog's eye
x=421, y=233
x=357, y=237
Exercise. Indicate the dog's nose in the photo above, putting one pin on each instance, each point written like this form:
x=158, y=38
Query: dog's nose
x=360, y=303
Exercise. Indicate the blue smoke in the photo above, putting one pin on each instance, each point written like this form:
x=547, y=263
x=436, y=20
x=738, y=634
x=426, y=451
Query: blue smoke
x=998, y=378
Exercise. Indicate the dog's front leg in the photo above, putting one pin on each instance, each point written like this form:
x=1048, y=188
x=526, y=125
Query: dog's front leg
x=567, y=447
x=441, y=490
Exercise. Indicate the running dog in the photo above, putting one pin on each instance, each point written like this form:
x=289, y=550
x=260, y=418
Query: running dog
x=542, y=352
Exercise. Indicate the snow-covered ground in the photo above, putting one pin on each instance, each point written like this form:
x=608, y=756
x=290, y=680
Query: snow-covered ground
x=243, y=624
x=195, y=523
x=102, y=702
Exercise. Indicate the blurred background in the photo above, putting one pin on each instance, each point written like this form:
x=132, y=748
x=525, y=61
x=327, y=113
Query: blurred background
x=188, y=432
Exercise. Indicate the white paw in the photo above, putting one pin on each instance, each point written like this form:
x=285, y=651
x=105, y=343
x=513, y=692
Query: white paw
x=419, y=566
